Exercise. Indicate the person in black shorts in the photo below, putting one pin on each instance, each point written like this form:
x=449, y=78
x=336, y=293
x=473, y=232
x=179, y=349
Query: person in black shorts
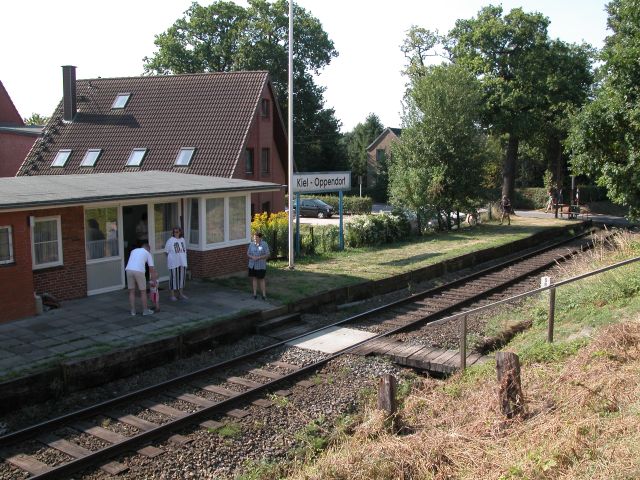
x=258, y=253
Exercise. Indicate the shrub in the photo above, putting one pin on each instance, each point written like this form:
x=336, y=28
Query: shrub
x=370, y=230
x=274, y=228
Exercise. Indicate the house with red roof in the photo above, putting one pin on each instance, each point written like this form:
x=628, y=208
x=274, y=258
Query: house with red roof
x=124, y=160
x=16, y=138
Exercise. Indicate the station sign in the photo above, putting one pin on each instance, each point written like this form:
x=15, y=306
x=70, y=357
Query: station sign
x=321, y=182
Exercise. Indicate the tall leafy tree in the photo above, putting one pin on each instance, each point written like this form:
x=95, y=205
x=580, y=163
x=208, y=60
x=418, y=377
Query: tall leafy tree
x=605, y=135
x=509, y=54
x=226, y=37
x=36, y=119
x=358, y=140
x=437, y=166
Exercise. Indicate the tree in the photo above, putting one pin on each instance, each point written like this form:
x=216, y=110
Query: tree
x=36, y=119
x=438, y=164
x=605, y=134
x=358, y=140
x=226, y=37
x=509, y=55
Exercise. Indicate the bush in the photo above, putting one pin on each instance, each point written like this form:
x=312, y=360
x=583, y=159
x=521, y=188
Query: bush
x=530, y=198
x=318, y=239
x=370, y=230
x=274, y=228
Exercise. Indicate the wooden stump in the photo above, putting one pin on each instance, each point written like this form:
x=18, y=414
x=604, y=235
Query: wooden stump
x=387, y=394
x=511, y=397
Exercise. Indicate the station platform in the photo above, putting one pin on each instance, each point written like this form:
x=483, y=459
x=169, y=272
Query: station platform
x=103, y=323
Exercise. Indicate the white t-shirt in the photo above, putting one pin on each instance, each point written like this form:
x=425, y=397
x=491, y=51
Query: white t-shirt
x=176, y=250
x=138, y=258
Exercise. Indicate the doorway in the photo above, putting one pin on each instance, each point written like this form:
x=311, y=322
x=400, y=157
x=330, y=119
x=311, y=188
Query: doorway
x=135, y=223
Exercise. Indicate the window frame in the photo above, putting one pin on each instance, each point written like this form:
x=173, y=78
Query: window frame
x=97, y=151
x=203, y=245
x=246, y=161
x=11, y=258
x=61, y=153
x=184, y=151
x=263, y=171
x=60, y=261
x=265, y=108
x=118, y=103
x=132, y=156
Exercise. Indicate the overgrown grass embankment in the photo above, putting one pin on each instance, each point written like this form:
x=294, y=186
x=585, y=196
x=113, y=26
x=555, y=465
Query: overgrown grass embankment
x=582, y=398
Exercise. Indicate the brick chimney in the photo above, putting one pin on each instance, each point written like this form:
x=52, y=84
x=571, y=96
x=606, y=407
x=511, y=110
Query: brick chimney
x=69, y=92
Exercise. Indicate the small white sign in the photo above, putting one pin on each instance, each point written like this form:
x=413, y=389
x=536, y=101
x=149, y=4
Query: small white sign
x=321, y=182
x=545, y=282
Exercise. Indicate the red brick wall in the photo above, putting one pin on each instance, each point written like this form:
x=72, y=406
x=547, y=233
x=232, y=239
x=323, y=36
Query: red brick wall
x=70, y=279
x=13, y=150
x=16, y=293
x=221, y=261
x=261, y=135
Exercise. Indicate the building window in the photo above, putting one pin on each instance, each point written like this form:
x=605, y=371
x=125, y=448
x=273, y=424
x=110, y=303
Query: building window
x=237, y=218
x=265, y=161
x=248, y=162
x=380, y=155
x=184, y=157
x=101, y=235
x=121, y=100
x=91, y=157
x=194, y=222
x=6, y=245
x=136, y=157
x=165, y=217
x=215, y=220
x=46, y=242
x=61, y=158
x=265, y=108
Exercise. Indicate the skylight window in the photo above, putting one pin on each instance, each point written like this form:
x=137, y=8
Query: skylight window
x=61, y=158
x=121, y=100
x=91, y=157
x=184, y=157
x=135, y=159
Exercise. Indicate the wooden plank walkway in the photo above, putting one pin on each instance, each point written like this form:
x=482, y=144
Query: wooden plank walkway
x=436, y=360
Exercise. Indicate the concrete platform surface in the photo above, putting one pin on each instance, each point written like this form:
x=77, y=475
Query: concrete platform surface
x=102, y=323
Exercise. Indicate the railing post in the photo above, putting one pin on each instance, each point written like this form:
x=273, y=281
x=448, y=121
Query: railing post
x=463, y=342
x=552, y=312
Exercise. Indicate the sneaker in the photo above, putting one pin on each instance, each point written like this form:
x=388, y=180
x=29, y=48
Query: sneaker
x=264, y=297
x=147, y=312
x=255, y=297
x=173, y=299
x=133, y=313
x=183, y=297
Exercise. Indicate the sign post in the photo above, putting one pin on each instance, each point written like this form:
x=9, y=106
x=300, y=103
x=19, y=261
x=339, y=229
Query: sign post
x=321, y=182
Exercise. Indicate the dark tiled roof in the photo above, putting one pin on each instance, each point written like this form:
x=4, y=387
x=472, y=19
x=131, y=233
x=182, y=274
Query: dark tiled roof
x=395, y=131
x=211, y=112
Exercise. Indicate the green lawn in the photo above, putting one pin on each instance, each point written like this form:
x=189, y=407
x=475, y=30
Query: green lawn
x=315, y=274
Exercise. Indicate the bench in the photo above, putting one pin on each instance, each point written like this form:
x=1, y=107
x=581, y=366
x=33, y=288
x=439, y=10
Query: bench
x=572, y=211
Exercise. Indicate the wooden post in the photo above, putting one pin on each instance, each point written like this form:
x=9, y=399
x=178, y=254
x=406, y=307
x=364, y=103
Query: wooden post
x=552, y=314
x=463, y=342
x=387, y=394
x=511, y=397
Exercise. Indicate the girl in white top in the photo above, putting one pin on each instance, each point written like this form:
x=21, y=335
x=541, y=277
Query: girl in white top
x=176, y=250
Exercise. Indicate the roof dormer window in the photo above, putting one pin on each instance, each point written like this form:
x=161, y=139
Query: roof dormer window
x=91, y=157
x=136, y=157
x=61, y=158
x=184, y=157
x=121, y=101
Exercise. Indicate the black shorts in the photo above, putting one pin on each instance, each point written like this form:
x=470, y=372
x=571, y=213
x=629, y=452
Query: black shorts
x=257, y=273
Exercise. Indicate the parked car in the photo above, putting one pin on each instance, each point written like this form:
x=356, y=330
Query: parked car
x=314, y=207
x=453, y=219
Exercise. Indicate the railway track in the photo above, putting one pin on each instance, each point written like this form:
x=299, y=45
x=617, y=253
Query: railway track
x=130, y=423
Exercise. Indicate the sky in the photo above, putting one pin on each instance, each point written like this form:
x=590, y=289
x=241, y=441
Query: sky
x=110, y=39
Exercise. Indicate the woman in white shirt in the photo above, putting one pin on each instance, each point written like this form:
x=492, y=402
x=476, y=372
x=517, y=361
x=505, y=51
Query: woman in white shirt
x=176, y=250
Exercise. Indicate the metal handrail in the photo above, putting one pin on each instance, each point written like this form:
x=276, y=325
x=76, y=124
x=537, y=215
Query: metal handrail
x=552, y=287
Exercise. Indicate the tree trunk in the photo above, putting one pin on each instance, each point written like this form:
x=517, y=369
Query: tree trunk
x=509, y=167
x=510, y=393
